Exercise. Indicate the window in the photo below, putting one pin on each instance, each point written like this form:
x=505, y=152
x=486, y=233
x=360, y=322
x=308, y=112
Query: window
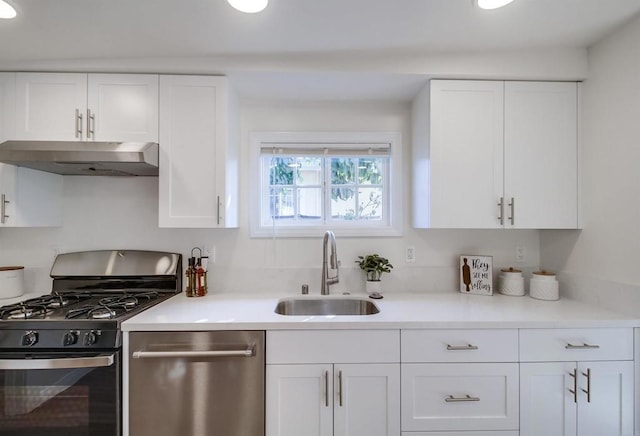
x=308, y=182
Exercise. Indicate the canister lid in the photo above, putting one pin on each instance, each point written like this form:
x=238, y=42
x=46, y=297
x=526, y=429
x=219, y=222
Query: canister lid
x=10, y=268
x=544, y=273
x=511, y=270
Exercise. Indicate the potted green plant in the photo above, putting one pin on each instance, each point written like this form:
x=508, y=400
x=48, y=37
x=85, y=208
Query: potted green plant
x=374, y=266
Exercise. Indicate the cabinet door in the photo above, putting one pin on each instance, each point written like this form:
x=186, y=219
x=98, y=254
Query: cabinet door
x=367, y=400
x=541, y=154
x=122, y=107
x=51, y=106
x=299, y=400
x=7, y=172
x=547, y=405
x=466, y=153
x=192, y=115
x=460, y=396
x=608, y=409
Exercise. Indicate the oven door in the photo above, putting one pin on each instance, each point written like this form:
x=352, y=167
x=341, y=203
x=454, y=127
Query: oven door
x=60, y=394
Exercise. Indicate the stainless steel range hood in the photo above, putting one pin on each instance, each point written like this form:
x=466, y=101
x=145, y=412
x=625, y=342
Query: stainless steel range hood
x=83, y=158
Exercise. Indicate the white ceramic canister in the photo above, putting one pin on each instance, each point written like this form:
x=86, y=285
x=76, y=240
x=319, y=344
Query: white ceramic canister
x=11, y=281
x=544, y=286
x=511, y=282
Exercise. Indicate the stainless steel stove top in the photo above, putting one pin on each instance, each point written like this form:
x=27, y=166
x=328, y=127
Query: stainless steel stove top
x=93, y=293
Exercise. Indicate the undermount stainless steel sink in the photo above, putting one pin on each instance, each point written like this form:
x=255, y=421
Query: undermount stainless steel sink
x=325, y=306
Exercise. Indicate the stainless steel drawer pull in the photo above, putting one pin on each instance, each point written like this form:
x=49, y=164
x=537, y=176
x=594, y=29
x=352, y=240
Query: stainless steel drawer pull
x=452, y=399
x=461, y=347
x=78, y=124
x=224, y=353
x=588, y=390
x=501, y=210
x=581, y=347
x=3, y=209
x=512, y=205
x=340, y=387
x=326, y=388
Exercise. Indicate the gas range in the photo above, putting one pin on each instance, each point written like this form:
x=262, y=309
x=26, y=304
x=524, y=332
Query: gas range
x=93, y=293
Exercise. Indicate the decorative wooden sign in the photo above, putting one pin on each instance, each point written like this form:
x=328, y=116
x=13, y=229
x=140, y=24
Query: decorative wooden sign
x=476, y=274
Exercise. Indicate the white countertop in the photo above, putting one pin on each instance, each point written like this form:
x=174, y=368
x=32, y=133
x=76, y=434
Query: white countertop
x=430, y=310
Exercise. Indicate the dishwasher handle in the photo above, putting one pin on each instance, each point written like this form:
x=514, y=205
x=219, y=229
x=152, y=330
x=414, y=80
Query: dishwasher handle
x=250, y=351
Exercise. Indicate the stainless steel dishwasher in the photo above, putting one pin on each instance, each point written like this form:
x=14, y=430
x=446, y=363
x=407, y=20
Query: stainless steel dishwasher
x=196, y=383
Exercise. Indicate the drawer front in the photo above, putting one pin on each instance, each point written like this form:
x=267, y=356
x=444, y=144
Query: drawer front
x=333, y=346
x=538, y=345
x=459, y=397
x=462, y=433
x=460, y=345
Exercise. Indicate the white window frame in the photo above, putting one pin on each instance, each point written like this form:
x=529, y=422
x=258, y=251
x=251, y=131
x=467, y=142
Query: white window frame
x=390, y=226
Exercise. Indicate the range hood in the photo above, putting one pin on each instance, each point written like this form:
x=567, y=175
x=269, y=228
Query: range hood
x=83, y=158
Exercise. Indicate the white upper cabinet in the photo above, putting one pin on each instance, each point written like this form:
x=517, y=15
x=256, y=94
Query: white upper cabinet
x=81, y=107
x=28, y=198
x=496, y=155
x=198, y=178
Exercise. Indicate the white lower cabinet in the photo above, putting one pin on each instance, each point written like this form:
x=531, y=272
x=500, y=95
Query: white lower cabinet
x=459, y=396
x=340, y=399
x=592, y=396
x=325, y=383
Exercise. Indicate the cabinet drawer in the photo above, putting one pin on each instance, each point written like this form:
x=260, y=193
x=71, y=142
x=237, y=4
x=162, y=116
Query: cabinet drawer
x=333, y=346
x=460, y=345
x=459, y=396
x=537, y=345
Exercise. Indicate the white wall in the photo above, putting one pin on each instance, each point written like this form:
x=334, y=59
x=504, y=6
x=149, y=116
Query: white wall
x=600, y=263
x=122, y=213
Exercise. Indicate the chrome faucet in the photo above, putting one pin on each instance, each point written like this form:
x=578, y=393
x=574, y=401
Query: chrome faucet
x=332, y=262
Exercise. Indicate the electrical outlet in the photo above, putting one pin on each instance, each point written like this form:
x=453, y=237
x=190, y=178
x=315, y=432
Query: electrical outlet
x=521, y=254
x=210, y=252
x=410, y=254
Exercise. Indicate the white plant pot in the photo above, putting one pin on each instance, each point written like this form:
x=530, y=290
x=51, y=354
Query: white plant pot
x=374, y=286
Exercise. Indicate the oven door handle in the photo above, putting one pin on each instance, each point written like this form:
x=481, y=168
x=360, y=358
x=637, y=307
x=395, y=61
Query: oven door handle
x=99, y=361
x=249, y=352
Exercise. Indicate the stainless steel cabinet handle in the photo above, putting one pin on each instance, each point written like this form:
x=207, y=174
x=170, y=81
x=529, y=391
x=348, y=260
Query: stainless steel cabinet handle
x=588, y=390
x=501, y=210
x=64, y=363
x=584, y=346
x=91, y=124
x=250, y=351
x=461, y=347
x=218, y=209
x=340, y=388
x=3, y=209
x=326, y=388
x=78, y=124
x=574, y=391
x=452, y=399
x=512, y=205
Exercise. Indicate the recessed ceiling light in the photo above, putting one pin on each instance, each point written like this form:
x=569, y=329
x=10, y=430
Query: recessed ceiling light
x=6, y=10
x=492, y=4
x=249, y=6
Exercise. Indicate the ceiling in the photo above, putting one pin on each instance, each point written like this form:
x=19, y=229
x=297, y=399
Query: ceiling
x=74, y=33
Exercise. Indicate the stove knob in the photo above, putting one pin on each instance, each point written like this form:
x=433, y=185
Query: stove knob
x=70, y=338
x=30, y=338
x=90, y=338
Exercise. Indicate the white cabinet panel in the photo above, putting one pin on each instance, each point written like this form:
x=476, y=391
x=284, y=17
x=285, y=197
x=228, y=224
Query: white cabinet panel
x=198, y=156
x=460, y=345
x=81, y=107
x=459, y=396
x=541, y=154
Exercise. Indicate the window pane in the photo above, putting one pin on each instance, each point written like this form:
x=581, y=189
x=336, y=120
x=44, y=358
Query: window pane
x=343, y=170
x=281, y=203
x=309, y=171
x=370, y=203
x=343, y=203
x=310, y=203
x=281, y=170
x=370, y=171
